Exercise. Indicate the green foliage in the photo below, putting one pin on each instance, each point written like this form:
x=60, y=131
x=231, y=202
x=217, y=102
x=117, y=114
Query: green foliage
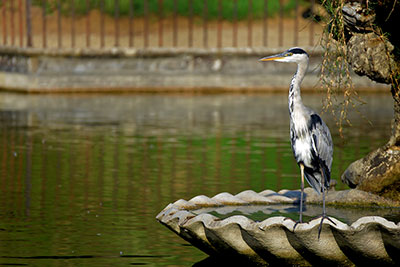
x=227, y=9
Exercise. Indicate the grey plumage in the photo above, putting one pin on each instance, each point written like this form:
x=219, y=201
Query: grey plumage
x=310, y=137
x=317, y=155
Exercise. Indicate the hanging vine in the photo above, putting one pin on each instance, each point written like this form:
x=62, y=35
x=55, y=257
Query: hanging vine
x=335, y=75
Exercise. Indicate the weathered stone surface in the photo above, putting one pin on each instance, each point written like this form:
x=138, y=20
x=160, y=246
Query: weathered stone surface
x=204, y=201
x=349, y=197
x=280, y=198
x=371, y=53
x=152, y=70
x=378, y=172
x=251, y=196
x=274, y=241
x=183, y=204
x=356, y=17
x=228, y=199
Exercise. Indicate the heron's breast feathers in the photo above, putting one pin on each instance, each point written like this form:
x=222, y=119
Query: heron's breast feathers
x=311, y=140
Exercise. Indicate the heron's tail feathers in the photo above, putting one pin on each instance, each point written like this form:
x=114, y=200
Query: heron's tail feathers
x=314, y=177
x=327, y=174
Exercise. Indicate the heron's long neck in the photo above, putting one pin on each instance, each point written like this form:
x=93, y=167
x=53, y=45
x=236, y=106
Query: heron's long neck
x=294, y=91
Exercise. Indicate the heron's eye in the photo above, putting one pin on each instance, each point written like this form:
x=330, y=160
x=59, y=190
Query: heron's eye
x=289, y=54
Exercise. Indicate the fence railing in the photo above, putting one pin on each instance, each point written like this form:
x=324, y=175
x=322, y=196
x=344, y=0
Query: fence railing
x=156, y=23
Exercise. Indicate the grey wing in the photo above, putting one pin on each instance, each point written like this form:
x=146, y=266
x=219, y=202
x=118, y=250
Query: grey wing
x=321, y=140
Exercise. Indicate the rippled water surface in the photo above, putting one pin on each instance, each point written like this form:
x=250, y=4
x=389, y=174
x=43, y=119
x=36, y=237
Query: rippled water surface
x=83, y=177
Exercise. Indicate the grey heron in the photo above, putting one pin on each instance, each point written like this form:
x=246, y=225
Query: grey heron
x=310, y=138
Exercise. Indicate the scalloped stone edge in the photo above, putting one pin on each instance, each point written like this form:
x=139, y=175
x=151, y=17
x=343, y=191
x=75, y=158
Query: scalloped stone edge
x=273, y=240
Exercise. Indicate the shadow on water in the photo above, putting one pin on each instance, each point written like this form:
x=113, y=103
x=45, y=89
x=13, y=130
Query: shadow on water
x=86, y=175
x=223, y=261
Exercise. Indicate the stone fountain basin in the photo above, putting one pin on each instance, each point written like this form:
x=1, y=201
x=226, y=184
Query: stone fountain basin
x=206, y=223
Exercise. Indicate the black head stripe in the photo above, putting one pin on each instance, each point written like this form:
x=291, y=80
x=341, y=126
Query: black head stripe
x=297, y=50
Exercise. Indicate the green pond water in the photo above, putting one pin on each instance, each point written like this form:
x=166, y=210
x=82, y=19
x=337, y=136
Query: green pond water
x=82, y=177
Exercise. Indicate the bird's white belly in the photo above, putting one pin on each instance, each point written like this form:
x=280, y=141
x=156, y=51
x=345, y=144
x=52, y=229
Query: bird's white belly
x=302, y=151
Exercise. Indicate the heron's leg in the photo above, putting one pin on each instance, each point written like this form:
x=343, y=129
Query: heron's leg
x=302, y=193
x=324, y=216
x=323, y=199
x=301, y=196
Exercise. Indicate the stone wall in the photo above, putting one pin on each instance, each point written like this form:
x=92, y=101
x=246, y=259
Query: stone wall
x=153, y=70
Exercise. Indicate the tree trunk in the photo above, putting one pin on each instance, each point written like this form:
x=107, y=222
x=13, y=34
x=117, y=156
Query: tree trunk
x=373, y=55
x=395, y=137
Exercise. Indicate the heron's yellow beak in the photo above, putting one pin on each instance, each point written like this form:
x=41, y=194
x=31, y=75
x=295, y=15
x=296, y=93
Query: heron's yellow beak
x=274, y=57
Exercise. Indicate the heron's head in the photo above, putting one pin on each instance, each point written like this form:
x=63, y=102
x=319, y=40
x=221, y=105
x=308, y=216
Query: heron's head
x=294, y=54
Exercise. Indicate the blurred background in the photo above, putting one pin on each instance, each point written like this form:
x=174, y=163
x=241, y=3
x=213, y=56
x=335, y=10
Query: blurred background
x=110, y=110
x=160, y=23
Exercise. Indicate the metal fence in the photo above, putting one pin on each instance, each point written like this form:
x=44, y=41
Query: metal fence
x=91, y=24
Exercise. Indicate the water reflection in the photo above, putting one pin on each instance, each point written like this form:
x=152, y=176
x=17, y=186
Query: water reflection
x=82, y=177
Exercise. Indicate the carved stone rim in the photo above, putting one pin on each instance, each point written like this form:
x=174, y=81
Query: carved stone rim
x=273, y=240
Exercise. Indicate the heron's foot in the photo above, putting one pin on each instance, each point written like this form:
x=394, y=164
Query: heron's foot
x=296, y=223
x=323, y=216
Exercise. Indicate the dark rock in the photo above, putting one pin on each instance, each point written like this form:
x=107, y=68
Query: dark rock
x=369, y=55
x=378, y=172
